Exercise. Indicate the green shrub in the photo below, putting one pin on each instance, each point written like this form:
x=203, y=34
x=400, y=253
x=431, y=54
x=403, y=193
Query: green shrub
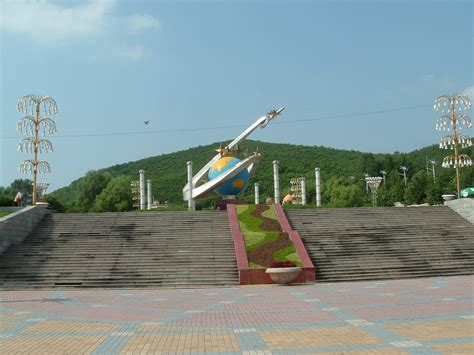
x=6, y=201
x=54, y=204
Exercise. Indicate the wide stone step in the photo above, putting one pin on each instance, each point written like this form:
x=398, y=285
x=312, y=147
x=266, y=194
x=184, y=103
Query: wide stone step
x=379, y=243
x=123, y=250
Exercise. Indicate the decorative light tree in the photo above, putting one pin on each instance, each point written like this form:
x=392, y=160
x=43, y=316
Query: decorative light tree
x=41, y=188
x=135, y=186
x=30, y=125
x=454, y=121
x=296, y=190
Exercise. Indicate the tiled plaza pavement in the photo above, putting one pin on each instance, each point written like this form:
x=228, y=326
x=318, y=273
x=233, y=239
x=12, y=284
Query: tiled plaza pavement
x=421, y=316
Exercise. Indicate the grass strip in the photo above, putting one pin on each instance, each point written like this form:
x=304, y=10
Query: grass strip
x=4, y=213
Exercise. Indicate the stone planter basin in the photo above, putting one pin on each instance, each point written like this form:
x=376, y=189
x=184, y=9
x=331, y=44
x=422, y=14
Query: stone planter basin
x=283, y=275
x=448, y=197
x=42, y=204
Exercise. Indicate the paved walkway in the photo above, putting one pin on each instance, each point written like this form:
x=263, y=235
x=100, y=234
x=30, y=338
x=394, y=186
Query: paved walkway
x=422, y=316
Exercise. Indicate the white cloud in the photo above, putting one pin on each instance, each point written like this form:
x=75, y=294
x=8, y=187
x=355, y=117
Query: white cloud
x=45, y=21
x=469, y=91
x=141, y=22
x=129, y=53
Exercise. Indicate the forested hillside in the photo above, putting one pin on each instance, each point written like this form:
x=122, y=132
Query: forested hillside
x=342, y=174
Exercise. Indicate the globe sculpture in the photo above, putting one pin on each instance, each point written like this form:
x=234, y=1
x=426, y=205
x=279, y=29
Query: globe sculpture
x=235, y=185
x=226, y=174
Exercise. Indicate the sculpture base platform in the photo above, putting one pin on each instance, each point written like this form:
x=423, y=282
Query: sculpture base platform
x=222, y=204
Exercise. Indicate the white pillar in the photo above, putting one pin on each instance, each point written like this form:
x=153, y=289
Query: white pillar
x=149, y=194
x=190, y=185
x=303, y=191
x=257, y=194
x=318, y=187
x=142, y=189
x=276, y=182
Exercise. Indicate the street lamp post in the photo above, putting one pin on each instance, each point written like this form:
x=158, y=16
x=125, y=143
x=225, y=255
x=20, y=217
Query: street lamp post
x=366, y=175
x=404, y=169
x=384, y=173
x=450, y=104
x=30, y=125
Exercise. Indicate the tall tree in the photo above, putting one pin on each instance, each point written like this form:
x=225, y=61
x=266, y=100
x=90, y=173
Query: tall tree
x=116, y=197
x=90, y=187
x=25, y=186
x=416, y=191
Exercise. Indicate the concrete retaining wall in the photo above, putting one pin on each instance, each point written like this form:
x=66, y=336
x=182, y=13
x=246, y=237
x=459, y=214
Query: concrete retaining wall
x=15, y=227
x=463, y=206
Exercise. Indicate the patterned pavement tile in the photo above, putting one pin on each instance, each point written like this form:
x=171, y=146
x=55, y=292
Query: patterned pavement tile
x=314, y=338
x=50, y=345
x=460, y=328
x=412, y=310
x=367, y=352
x=213, y=342
x=48, y=326
x=464, y=348
x=418, y=316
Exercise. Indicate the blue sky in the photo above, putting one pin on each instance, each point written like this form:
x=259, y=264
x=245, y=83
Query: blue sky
x=112, y=64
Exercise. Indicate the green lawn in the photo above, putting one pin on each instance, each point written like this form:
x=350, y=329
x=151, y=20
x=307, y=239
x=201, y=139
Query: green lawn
x=4, y=213
x=250, y=226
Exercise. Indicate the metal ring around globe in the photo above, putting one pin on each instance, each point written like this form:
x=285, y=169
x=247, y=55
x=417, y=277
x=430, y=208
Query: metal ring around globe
x=201, y=175
x=248, y=163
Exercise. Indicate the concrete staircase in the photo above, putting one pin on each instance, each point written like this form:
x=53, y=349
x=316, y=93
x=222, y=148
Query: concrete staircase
x=385, y=243
x=123, y=250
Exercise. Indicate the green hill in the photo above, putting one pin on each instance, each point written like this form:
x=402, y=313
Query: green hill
x=339, y=169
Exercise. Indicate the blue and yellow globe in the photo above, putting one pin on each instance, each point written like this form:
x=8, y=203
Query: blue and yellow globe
x=235, y=185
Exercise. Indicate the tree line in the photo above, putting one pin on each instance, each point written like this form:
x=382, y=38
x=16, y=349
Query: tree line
x=342, y=177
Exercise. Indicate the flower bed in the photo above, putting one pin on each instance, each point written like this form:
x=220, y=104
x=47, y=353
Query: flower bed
x=248, y=276
x=264, y=240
